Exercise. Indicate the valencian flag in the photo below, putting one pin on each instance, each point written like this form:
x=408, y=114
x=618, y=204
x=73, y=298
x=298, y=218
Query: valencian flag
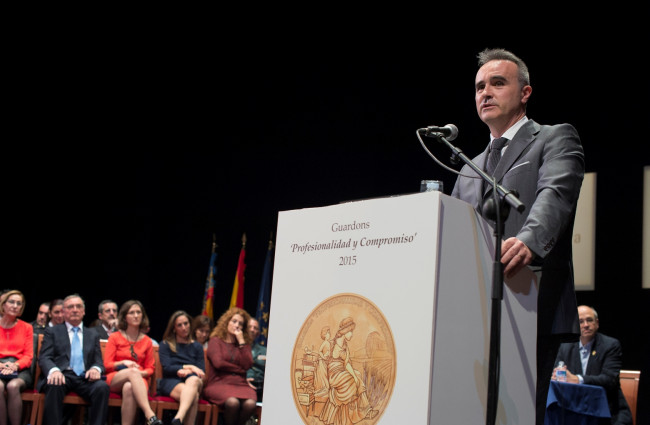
x=264, y=299
x=208, y=297
x=237, y=298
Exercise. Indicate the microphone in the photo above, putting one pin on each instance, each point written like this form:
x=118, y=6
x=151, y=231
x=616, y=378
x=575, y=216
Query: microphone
x=450, y=131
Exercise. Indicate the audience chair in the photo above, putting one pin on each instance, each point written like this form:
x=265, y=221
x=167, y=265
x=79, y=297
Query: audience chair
x=630, y=387
x=31, y=395
x=167, y=403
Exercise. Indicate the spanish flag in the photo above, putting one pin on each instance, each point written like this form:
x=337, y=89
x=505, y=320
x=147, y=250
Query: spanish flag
x=208, y=297
x=237, y=298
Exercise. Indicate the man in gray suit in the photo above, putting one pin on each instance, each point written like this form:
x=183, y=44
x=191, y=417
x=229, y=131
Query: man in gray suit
x=58, y=363
x=545, y=166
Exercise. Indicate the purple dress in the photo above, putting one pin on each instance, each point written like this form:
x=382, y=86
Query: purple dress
x=227, y=366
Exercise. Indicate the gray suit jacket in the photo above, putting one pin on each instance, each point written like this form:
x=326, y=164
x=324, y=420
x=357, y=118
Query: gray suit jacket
x=56, y=350
x=545, y=165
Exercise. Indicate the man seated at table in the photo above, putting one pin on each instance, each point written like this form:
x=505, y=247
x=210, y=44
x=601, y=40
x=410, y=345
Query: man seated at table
x=596, y=360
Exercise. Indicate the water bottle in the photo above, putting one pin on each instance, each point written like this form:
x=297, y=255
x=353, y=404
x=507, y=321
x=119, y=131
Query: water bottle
x=560, y=372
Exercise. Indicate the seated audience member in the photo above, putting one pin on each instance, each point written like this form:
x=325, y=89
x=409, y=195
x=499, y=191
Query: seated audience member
x=130, y=361
x=106, y=318
x=16, y=356
x=71, y=360
x=42, y=317
x=201, y=328
x=56, y=312
x=596, y=360
x=255, y=375
x=229, y=357
x=183, y=367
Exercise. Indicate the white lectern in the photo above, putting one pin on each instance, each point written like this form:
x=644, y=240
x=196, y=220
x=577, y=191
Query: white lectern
x=380, y=313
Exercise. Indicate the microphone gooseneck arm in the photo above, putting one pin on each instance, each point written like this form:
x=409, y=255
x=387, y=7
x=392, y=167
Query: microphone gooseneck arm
x=510, y=196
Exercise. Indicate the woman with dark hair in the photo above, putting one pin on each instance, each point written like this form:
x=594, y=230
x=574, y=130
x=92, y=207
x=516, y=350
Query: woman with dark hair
x=129, y=362
x=201, y=328
x=183, y=367
x=229, y=357
x=16, y=355
x=56, y=312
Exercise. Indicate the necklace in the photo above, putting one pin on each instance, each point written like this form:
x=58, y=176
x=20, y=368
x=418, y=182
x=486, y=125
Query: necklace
x=134, y=355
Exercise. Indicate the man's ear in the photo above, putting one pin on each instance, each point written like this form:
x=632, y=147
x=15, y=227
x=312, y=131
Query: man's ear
x=525, y=94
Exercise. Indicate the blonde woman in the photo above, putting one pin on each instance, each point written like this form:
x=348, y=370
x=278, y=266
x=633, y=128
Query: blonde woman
x=16, y=355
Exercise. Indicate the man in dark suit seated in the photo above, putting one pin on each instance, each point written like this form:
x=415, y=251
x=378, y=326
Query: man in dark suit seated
x=71, y=360
x=596, y=360
x=106, y=322
x=42, y=316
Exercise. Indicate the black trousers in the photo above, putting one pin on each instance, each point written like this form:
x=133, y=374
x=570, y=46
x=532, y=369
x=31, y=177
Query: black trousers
x=547, y=346
x=96, y=393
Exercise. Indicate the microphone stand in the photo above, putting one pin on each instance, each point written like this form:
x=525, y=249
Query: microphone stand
x=496, y=210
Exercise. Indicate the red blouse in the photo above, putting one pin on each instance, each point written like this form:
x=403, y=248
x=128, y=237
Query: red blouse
x=18, y=342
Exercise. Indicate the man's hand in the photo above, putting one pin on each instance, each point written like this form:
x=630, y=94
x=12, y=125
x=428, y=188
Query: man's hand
x=250, y=383
x=93, y=374
x=112, y=323
x=56, y=378
x=515, y=255
x=571, y=378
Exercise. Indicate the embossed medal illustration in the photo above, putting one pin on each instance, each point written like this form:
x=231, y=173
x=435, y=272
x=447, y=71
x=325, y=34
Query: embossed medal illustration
x=344, y=363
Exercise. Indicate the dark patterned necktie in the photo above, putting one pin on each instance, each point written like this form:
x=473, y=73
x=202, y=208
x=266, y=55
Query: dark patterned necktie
x=495, y=155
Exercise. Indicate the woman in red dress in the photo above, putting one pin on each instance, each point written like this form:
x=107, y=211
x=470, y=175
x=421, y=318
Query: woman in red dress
x=16, y=355
x=129, y=361
x=229, y=357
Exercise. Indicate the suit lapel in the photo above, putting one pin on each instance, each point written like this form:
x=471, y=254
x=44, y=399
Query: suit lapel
x=86, y=349
x=575, y=365
x=524, y=137
x=65, y=340
x=478, y=183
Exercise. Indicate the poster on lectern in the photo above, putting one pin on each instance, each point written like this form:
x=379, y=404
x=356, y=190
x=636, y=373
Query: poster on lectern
x=379, y=314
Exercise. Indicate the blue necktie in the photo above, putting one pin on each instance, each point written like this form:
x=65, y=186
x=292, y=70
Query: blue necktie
x=76, y=356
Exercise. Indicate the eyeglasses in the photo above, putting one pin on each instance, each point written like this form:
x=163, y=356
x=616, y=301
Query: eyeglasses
x=133, y=353
x=15, y=302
